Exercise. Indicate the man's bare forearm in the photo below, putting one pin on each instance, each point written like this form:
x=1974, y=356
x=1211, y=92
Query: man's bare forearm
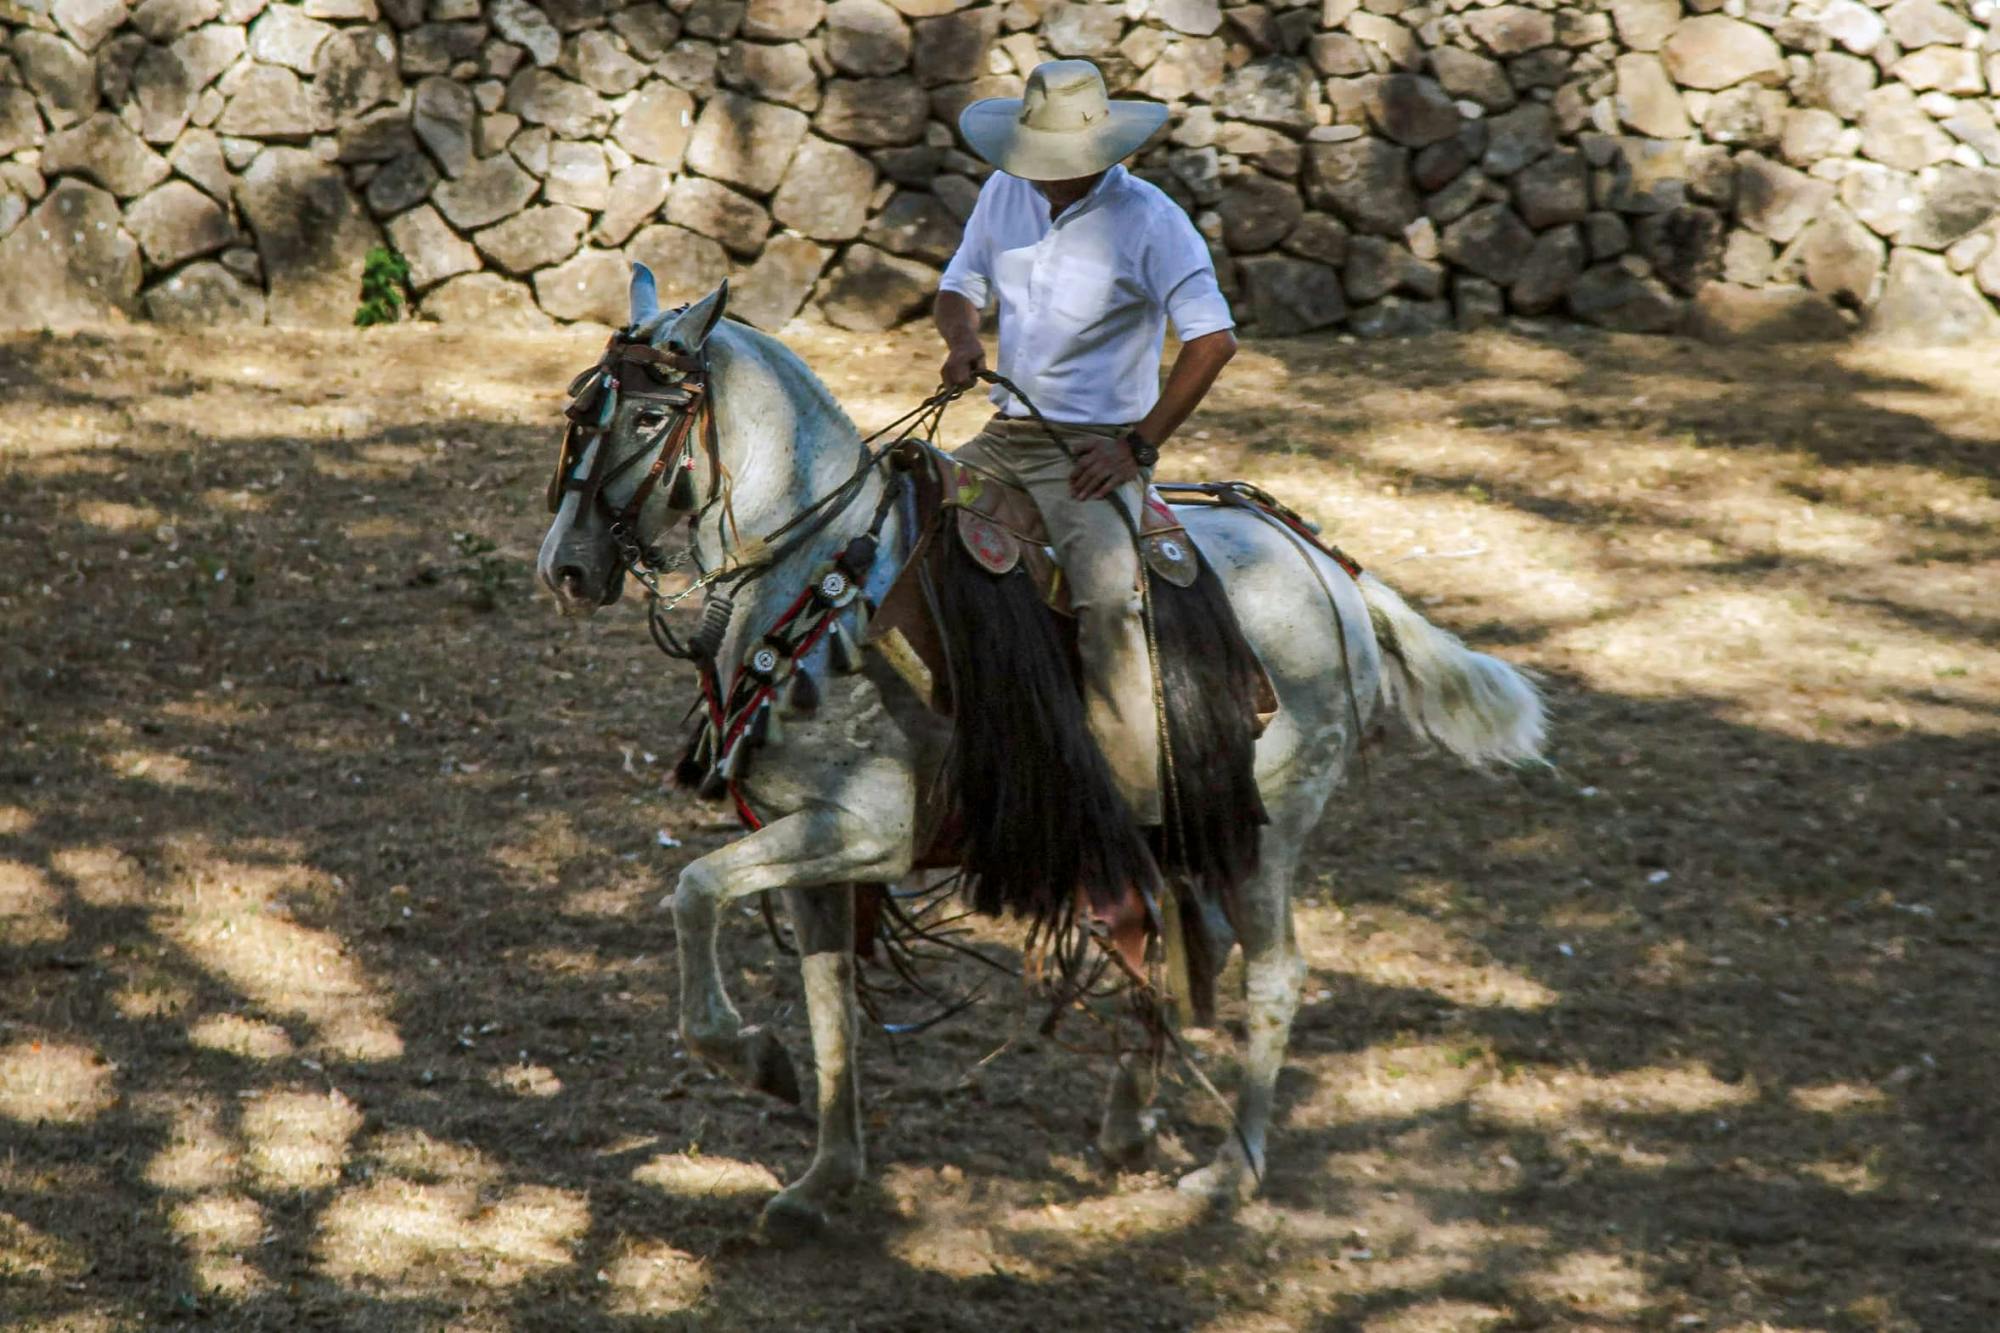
x=957, y=322
x=1194, y=371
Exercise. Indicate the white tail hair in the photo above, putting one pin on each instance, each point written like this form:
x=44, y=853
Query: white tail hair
x=1477, y=706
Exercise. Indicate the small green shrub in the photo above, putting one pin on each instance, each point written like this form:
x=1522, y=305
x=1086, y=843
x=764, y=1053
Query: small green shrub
x=385, y=285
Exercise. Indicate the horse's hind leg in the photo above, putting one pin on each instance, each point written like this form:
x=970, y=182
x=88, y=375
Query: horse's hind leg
x=1274, y=973
x=1124, y=1136
x=824, y=921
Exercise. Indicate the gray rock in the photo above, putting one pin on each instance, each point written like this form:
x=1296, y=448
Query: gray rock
x=1973, y=126
x=952, y=48
x=578, y=175
x=1607, y=235
x=1082, y=27
x=1491, y=242
x=1987, y=275
x=1810, y=133
x=1853, y=24
x=1839, y=84
x=1440, y=164
x=1398, y=317
x=782, y=74
x=1883, y=198
x=649, y=30
x=594, y=57
x=716, y=211
x=746, y=142
x=916, y=226
x=485, y=192
x=1644, y=176
x=312, y=234
x=1196, y=18
x=1726, y=314
x=1683, y=245
x=1644, y=25
x=1554, y=190
x=1467, y=75
x=1747, y=258
x=958, y=194
x=826, y=192
x=444, y=116
x=433, y=250
x=1375, y=267
x=1949, y=69
x=88, y=22
x=1916, y=23
x=1288, y=295
x=1366, y=182
x=1896, y=132
x=163, y=20
x=206, y=52
x=1413, y=111
x=1511, y=30
x=1516, y=138
x=638, y=193
x=63, y=77
x=198, y=157
x=354, y=70
x=202, y=296
x=1611, y=297
x=1465, y=193
x=1319, y=238
x=782, y=20
x=688, y=266
x=1840, y=257
x=1343, y=56
x=103, y=150
x=871, y=290
x=531, y=149
x=1957, y=203
x=590, y=285
x=285, y=36
x=1258, y=212
x=1648, y=102
x=1777, y=200
x=1746, y=117
x=69, y=263
x=526, y=26
x=1925, y=304
x=486, y=301
x=690, y=65
x=866, y=37
x=656, y=125
x=20, y=122
x=1553, y=265
x=1277, y=90
x=1714, y=51
x=436, y=48
x=400, y=184
x=268, y=102
x=570, y=110
x=1199, y=171
x=874, y=113
x=534, y=238
x=777, y=285
x=1476, y=303
x=176, y=222
x=161, y=94
x=1187, y=69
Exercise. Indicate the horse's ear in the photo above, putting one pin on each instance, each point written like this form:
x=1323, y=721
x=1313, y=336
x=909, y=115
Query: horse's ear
x=691, y=330
x=645, y=294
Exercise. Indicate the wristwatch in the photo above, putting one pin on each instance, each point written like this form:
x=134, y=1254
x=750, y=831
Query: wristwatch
x=1144, y=454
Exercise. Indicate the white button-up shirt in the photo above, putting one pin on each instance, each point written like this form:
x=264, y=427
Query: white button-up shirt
x=1085, y=300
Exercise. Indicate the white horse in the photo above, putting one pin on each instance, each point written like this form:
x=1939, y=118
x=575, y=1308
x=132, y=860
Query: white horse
x=839, y=795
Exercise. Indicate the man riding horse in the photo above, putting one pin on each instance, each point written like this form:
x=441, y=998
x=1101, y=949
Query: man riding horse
x=1088, y=264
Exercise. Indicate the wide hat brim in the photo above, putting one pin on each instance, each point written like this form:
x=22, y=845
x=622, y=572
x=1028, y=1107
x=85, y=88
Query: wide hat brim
x=993, y=127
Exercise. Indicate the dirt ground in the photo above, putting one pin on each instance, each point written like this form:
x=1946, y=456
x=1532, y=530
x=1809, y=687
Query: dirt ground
x=334, y=990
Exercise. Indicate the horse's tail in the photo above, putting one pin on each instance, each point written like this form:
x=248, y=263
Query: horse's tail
x=1477, y=706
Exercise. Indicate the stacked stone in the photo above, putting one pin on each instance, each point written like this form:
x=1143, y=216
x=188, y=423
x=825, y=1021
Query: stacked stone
x=1739, y=167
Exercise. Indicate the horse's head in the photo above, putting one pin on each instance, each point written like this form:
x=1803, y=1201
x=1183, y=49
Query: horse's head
x=637, y=456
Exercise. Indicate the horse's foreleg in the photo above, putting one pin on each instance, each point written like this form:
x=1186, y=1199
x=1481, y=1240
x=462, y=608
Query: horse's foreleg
x=824, y=920
x=1124, y=1136
x=811, y=849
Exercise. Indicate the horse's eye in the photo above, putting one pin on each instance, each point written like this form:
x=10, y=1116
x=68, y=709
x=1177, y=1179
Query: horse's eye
x=651, y=418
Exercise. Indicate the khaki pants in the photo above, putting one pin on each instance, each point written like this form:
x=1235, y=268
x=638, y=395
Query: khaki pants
x=1101, y=564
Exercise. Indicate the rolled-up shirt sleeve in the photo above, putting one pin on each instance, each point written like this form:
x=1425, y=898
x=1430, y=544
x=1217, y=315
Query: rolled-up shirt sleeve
x=1181, y=277
x=970, y=273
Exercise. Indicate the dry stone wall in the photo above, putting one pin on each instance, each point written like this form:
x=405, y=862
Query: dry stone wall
x=1741, y=168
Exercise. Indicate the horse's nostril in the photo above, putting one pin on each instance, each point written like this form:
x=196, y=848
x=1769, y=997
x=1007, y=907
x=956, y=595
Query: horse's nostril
x=570, y=579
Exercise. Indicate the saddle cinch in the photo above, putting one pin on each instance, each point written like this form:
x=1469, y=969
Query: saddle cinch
x=1000, y=527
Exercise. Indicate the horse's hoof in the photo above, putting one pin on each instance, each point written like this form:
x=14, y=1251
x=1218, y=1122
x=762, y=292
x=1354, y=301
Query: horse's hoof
x=771, y=1068
x=790, y=1220
x=1125, y=1150
x=1226, y=1180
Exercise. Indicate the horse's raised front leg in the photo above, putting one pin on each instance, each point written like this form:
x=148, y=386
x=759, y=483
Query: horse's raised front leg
x=824, y=922
x=812, y=849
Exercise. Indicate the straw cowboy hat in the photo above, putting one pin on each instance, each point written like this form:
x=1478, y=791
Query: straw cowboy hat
x=1064, y=126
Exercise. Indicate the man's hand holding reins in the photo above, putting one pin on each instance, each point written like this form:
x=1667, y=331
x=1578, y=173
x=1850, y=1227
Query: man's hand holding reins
x=958, y=322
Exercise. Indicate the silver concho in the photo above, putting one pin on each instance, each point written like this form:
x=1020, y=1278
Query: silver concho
x=835, y=588
x=764, y=662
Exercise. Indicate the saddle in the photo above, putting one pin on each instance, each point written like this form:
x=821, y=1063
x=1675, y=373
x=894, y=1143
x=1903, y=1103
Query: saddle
x=999, y=525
